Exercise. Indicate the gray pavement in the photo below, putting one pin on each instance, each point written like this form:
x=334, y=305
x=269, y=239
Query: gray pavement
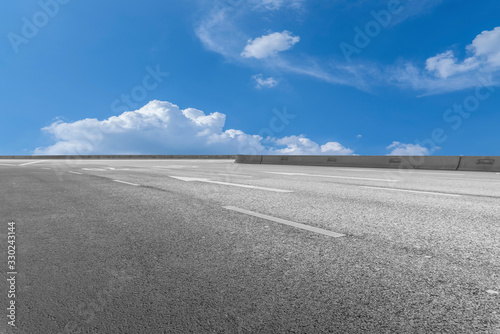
x=138, y=246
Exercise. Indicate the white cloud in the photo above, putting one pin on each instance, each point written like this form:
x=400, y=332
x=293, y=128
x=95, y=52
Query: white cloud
x=407, y=149
x=302, y=145
x=276, y=4
x=222, y=31
x=264, y=82
x=486, y=47
x=445, y=64
x=484, y=53
x=269, y=45
x=164, y=128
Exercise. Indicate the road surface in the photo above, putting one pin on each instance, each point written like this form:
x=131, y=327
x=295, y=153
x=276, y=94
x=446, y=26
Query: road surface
x=210, y=246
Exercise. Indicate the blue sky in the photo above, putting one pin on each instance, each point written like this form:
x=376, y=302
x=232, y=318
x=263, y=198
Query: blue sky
x=250, y=76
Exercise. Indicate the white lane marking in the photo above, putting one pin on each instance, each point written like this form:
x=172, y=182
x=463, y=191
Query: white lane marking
x=286, y=222
x=129, y=183
x=74, y=173
x=402, y=171
x=356, y=169
x=334, y=176
x=414, y=172
x=239, y=175
x=8, y=165
x=175, y=166
x=33, y=162
x=94, y=169
x=193, y=179
x=413, y=191
x=112, y=168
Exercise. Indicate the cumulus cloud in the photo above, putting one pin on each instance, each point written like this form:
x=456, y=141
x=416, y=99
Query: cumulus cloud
x=407, y=149
x=269, y=45
x=163, y=128
x=484, y=52
x=303, y=146
x=446, y=64
x=262, y=82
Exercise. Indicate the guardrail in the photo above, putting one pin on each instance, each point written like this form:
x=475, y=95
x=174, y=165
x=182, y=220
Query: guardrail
x=469, y=163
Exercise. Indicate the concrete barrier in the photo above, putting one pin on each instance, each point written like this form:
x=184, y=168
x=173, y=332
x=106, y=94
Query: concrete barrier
x=399, y=162
x=480, y=163
x=46, y=157
x=248, y=159
x=433, y=162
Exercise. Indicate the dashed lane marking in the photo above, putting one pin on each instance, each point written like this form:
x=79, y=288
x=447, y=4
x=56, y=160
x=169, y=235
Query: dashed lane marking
x=286, y=222
x=413, y=191
x=176, y=166
x=32, y=162
x=129, y=183
x=194, y=179
x=334, y=176
x=74, y=173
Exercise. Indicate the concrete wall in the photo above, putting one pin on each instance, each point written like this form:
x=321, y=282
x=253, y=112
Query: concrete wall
x=403, y=162
x=43, y=157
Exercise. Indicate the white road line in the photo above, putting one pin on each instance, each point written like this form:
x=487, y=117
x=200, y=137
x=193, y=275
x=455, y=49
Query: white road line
x=413, y=191
x=334, y=176
x=414, y=172
x=8, y=165
x=193, y=179
x=129, y=183
x=286, y=222
x=362, y=169
x=74, y=173
x=94, y=169
x=239, y=175
x=33, y=162
x=175, y=167
x=392, y=170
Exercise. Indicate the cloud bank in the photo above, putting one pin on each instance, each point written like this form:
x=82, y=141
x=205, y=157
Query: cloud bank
x=163, y=128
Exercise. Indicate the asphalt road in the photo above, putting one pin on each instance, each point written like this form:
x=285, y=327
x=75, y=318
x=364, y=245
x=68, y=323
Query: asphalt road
x=182, y=246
